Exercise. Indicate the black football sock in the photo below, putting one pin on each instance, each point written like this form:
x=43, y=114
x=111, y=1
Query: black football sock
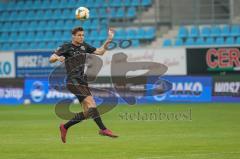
x=94, y=114
x=78, y=117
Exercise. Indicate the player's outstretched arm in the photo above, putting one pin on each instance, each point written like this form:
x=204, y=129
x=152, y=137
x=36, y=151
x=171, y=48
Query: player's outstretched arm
x=55, y=58
x=103, y=49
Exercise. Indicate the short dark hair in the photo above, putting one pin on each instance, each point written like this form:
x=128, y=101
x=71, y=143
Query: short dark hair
x=77, y=29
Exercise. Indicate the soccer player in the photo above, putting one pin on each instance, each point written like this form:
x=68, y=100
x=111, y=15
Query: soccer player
x=68, y=53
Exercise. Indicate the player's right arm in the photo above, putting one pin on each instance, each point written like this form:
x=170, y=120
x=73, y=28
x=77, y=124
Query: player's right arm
x=57, y=54
x=55, y=58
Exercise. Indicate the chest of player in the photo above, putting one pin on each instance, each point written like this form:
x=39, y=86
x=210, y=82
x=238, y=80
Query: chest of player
x=75, y=51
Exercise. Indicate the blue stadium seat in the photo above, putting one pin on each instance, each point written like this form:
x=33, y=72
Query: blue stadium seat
x=48, y=15
x=22, y=36
x=50, y=25
x=30, y=15
x=23, y=46
x=32, y=45
x=13, y=15
x=167, y=42
x=15, y=46
x=226, y=30
x=111, y=12
x=189, y=42
x=67, y=35
x=97, y=43
x=120, y=34
x=93, y=35
x=51, y=45
x=94, y=24
x=229, y=41
x=219, y=41
x=39, y=36
x=126, y=3
x=86, y=24
x=93, y=13
x=200, y=41
x=98, y=3
x=102, y=12
x=235, y=30
x=15, y=26
x=146, y=2
x=48, y=36
x=13, y=36
x=194, y=32
x=140, y=33
x=24, y=25
x=131, y=34
x=120, y=13
x=6, y=46
x=67, y=13
x=30, y=36
x=59, y=25
x=41, y=25
x=131, y=12
x=116, y=3
x=135, y=3
x=41, y=45
x=4, y=37
x=20, y=5
x=178, y=42
x=238, y=40
x=90, y=3
x=57, y=14
x=135, y=43
x=205, y=32
x=40, y=14
x=182, y=32
x=215, y=31
x=32, y=26
x=68, y=25
x=150, y=33
x=102, y=35
x=57, y=35
x=209, y=41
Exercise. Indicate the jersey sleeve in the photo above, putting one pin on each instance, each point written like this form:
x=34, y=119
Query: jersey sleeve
x=60, y=50
x=90, y=49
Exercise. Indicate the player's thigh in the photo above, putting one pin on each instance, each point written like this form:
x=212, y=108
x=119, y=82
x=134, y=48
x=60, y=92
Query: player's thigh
x=88, y=102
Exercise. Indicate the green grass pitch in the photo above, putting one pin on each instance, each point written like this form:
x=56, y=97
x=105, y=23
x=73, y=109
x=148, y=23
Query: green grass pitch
x=208, y=131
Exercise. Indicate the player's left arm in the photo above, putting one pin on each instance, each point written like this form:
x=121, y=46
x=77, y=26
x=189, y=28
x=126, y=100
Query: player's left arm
x=103, y=48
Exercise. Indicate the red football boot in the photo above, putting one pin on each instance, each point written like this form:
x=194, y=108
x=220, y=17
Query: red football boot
x=107, y=132
x=63, y=131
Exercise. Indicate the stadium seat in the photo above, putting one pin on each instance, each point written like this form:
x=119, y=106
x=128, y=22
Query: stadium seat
x=167, y=42
x=97, y=43
x=182, y=32
x=229, y=41
x=131, y=12
x=209, y=41
x=135, y=3
x=220, y=41
x=194, y=32
x=146, y=2
x=120, y=13
x=140, y=33
x=116, y=3
x=226, y=31
x=150, y=33
x=120, y=34
x=189, y=42
x=238, y=40
x=135, y=43
x=215, y=31
x=131, y=34
x=102, y=35
x=235, y=30
x=200, y=41
x=205, y=32
x=178, y=42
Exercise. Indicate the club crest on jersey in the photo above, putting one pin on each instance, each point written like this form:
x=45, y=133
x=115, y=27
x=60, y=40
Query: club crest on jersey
x=83, y=48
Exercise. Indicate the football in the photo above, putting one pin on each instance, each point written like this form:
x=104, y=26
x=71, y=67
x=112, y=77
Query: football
x=82, y=13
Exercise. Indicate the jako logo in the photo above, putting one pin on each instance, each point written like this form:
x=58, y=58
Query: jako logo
x=186, y=88
x=37, y=91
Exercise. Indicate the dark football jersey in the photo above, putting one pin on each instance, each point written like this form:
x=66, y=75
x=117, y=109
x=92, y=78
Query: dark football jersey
x=75, y=57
